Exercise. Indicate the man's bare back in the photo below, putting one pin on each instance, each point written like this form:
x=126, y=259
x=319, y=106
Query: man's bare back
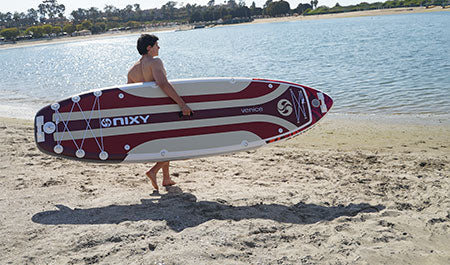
x=149, y=69
x=141, y=71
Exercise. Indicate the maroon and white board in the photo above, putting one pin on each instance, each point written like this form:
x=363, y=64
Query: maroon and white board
x=139, y=123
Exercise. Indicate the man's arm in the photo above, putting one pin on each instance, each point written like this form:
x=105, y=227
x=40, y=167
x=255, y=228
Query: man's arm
x=161, y=80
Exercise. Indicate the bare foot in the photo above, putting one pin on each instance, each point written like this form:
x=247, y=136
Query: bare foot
x=168, y=182
x=152, y=176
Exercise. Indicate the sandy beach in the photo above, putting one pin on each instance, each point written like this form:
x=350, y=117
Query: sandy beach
x=378, y=12
x=350, y=191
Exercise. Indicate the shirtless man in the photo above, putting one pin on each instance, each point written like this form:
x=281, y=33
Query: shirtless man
x=149, y=69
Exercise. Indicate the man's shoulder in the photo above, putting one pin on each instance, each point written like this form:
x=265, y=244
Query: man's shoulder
x=153, y=61
x=136, y=65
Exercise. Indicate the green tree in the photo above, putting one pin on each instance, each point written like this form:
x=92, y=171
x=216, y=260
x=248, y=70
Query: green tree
x=35, y=31
x=56, y=29
x=51, y=9
x=112, y=24
x=255, y=11
x=138, y=12
x=110, y=11
x=70, y=28
x=133, y=24
x=301, y=8
x=5, y=19
x=47, y=29
x=196, y=16
x=278, y=8
x=96, y=29
x=232, y=4
x=168, y=10
x=79, y=15
x=267, y=3
x=101, y=26
x=127, y=13
x=86, y=24
x=10, y=33
x=32, y=16
x=94, y=14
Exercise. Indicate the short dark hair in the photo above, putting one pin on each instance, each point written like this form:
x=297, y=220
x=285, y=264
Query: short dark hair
x=144, y=41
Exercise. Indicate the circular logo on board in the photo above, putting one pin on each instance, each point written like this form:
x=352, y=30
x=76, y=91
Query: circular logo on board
x=106, y=122
x=284, y=107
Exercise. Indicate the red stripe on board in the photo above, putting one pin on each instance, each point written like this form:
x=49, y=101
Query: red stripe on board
x=110, y=98
x=114, y=145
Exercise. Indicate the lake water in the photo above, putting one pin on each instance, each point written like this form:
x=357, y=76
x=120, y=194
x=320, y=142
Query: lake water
x=397, y=64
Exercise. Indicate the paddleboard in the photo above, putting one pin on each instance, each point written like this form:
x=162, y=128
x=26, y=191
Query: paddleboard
x=139, y=123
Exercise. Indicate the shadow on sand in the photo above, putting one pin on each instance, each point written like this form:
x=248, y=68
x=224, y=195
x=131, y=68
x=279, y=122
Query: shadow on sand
x=182, y=210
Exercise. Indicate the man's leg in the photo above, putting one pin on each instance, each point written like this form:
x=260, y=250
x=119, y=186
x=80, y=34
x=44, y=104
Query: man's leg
x=151, y=174
x=167, y=181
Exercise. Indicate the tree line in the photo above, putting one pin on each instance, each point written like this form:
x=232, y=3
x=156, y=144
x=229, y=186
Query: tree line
x=378, y=5
x=48, y=18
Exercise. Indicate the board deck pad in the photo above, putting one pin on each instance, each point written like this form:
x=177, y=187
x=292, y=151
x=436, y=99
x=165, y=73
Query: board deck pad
x=139, y=123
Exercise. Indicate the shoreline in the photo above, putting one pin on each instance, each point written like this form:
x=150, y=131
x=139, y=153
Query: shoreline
x=377, y=12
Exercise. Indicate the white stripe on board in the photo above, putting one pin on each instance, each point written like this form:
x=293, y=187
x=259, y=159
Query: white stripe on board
x=190, y=87
x=176, y=125
x=177, y=155
x=192, y=142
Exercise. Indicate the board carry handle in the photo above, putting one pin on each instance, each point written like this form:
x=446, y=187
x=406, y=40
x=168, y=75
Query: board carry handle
x=180, y=114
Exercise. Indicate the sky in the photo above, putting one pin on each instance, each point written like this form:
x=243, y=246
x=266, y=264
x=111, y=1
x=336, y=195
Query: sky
x=24, y=5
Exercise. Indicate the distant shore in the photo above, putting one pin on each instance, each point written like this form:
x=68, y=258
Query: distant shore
x=88, y=37
x=378, y=12
x=365, y=13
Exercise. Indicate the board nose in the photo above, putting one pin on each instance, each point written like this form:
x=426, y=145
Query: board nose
x=328, y=101
x=325, y=102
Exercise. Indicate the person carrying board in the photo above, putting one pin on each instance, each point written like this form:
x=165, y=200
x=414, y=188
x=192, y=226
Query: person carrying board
x=148, y=69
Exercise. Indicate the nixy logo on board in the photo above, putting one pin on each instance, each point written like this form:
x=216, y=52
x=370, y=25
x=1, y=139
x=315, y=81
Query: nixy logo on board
x=121, y=121
x=106, y=122
x=284, y=107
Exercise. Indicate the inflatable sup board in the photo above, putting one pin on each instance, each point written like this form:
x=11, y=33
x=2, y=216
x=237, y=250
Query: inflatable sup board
x=139, y=123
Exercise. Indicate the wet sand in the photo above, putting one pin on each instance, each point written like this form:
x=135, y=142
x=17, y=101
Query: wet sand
x=349, y=191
